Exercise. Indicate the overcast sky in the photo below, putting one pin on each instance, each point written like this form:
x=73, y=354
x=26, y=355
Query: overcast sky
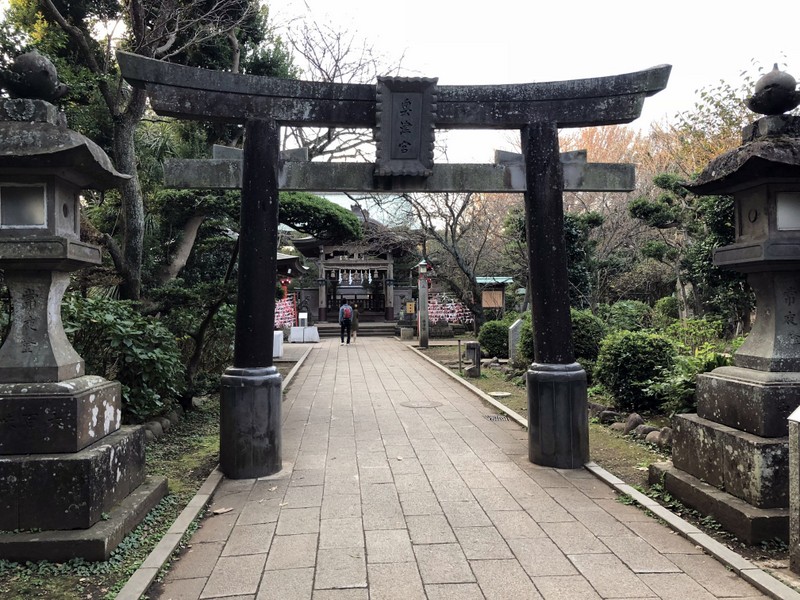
x=507, y=41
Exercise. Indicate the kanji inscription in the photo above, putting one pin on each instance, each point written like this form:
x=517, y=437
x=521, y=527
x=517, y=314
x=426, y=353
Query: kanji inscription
x=405, y=126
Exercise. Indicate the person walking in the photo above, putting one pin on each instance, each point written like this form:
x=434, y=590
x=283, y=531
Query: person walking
x=345, y=320
x=354, y=323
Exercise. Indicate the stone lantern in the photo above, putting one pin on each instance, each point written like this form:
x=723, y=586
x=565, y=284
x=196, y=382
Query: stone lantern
x=731, y=458
x=65, y=460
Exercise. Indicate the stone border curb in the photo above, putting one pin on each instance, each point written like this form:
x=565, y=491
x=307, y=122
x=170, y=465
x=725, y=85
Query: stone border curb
x=143, y=577
x=759, y=578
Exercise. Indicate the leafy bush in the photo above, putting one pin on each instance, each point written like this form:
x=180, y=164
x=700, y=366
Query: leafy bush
x=117, y=342
x=587, y=333
x=630, y=315
x=493, y=338
x=628, y=362
x=675, y=389
x=665, y=312
x=696, y=333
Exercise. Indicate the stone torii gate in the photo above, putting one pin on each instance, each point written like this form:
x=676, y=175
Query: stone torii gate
x=404, y=112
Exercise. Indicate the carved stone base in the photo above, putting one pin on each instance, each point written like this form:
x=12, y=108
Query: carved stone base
x=70, y=491
x=752, y=468
x=43, y=418
x=93, y=544
x=758, y=402
x=748, y=523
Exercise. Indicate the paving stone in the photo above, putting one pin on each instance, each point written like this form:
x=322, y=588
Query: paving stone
x=341, y=533
x=545, y=510
x=430, y=529
x=249, y=539
x=480, y=478
x=624, y=512
x=298, y=520
x=303, y=496
x=570, y=587
x=443, y=563
x=454, y=591
x=610, y=577
x=268, y=490
x=713, y=575
x=340, y=568
x=355, y=594
x=292, y=551
x=540, y=557
x=260, y=511
x=600, y=523
x=389, y=546
x=513, y=524
x=395, y=581
x=197, y=560
x=340, y=506
x=182, y=589
x=503, y=579
x=375, y=475
x=482, y=543
x=234, y=575
x=465, y=514
x=215, y=528
x=664, y=539
x=287, y=584
x=495, y=499
x=342, y=484
x=451, y=490
x=640, y=556
x=675, y=586
x=407, y=483
x=574, y=538
x=307, y=477
x=419, y=503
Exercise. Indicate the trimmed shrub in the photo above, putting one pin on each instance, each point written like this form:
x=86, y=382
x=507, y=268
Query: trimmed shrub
x=629, y=362
x=631, y=315
x=117, y=342
x=493, y=338
x=587, y=333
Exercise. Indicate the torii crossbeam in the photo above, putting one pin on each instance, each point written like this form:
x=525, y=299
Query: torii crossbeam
x=404, y=113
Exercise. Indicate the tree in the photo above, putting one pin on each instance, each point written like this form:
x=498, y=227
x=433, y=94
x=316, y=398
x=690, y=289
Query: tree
x=163, y=30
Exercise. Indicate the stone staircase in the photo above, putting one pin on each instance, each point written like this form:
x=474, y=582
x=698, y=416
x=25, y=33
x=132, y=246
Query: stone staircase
x=364, y=329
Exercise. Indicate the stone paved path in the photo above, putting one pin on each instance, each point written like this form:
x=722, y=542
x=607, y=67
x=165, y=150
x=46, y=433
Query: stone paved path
x=397, y=486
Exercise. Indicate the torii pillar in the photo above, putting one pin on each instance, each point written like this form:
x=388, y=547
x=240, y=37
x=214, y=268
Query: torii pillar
x=558, y=426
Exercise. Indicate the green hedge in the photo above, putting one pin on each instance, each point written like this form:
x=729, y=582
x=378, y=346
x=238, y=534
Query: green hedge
x=117, y=342
x=629, y=362
x=493, y=338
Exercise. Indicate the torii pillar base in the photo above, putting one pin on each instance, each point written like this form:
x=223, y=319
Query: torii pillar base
x=558, y=425
x=250, y=422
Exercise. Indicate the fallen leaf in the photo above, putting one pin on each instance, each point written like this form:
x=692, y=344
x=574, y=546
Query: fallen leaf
x=222, y=511
x=399, y=458
x=273, y=488
x=283, y=504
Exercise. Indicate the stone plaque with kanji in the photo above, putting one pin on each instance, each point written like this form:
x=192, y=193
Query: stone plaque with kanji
x=405, y=126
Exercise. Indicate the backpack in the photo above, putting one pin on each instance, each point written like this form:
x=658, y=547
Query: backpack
x=347, y=312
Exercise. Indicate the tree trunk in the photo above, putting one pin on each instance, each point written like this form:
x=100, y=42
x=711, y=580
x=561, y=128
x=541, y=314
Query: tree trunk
x=184, y=249
x=132, y=199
